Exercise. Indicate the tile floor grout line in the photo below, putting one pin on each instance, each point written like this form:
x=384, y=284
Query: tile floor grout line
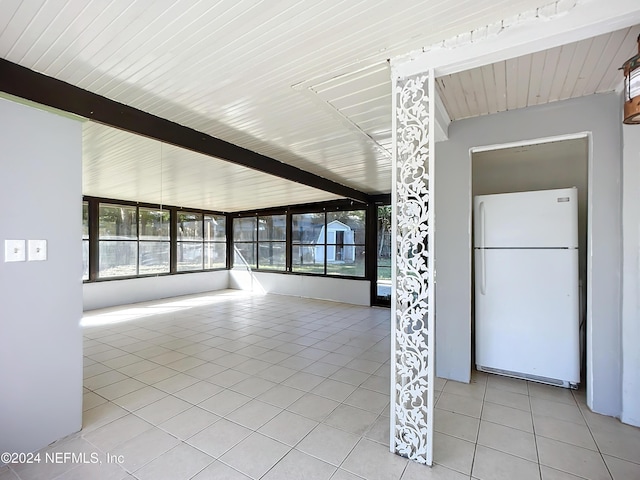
x=606, y=465
x=533, y=426
x=475, y=449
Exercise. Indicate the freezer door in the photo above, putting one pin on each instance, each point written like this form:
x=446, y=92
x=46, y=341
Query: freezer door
x=527, y=316
x=540, y=219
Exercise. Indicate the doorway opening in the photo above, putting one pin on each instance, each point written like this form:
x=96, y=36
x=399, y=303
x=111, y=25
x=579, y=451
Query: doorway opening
x=543, y=164
x=383, y=255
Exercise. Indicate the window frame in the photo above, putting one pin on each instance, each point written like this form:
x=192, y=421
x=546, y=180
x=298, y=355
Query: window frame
x=323, y=208
x=189, y=241
x=85, y=241
x=130, y=240
x=252, y=243
x=94, y=238
x=152, y=241
x=270, y=242
x=357, y=246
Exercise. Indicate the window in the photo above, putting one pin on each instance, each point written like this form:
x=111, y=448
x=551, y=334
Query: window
x=260, y=242
x=201, y=241
x=189, y=244
x=215, y=241
x=308, y=241
x=331, y=244
x=134, y=240
x=244, y=242
x=85, y=240
x=345, y=243
x=138, y=240
x=272, y=242
x=154, y=246
x=118, y=241
x=383, y=256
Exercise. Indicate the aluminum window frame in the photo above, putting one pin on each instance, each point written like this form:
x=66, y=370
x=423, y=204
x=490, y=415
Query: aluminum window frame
x=94, y=240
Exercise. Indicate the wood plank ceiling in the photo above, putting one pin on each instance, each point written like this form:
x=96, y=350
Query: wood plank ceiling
x=303, y=82
x=572, y=70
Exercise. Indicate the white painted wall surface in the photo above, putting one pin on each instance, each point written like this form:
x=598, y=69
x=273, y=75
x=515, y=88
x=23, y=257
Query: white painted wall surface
x=40, y=302
x=355, y=292
x=631, y=275
x=134, y=290
x=599, y=114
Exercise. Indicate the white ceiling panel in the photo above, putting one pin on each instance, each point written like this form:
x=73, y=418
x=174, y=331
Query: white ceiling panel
x=121, y=165
x=304, y=82
x=573, y=70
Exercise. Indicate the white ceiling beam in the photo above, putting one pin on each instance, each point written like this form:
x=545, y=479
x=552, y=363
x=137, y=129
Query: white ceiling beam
x=559, y=23
x=442, y=119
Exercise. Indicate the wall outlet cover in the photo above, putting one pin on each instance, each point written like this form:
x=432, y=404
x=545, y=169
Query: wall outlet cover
x=37, y=250
x=14, y=251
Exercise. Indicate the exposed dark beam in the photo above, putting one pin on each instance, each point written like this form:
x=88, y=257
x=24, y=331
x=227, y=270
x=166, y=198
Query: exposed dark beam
x=382, y=198
x=25, y=83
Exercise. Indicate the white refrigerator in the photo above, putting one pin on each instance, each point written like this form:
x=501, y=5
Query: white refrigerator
x=526, y=285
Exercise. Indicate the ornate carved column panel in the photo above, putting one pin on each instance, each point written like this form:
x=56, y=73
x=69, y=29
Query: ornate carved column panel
x=412, y=269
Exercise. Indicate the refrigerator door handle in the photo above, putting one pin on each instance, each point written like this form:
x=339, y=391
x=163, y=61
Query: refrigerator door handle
x=483, y=275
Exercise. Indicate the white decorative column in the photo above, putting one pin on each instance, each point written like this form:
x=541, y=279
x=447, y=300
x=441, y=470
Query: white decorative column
x=412, y=304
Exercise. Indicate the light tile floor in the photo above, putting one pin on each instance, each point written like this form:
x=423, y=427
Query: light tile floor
x=232, y=386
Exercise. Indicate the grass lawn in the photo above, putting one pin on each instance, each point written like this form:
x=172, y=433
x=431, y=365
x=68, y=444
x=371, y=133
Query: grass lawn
x=384, y=268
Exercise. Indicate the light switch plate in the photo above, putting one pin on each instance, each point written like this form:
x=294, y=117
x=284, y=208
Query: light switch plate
x=14, y=251
x=37, y=250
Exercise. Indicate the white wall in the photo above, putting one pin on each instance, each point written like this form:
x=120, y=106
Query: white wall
x=355, y=292
x=599, y=114
x=121, y=292
x=40, y=302
x=631, y=275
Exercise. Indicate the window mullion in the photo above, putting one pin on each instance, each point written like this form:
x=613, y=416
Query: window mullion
x=138, y=241
x=326, y=236
x=173, y=240
x=94, y=231
x=288, y=243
